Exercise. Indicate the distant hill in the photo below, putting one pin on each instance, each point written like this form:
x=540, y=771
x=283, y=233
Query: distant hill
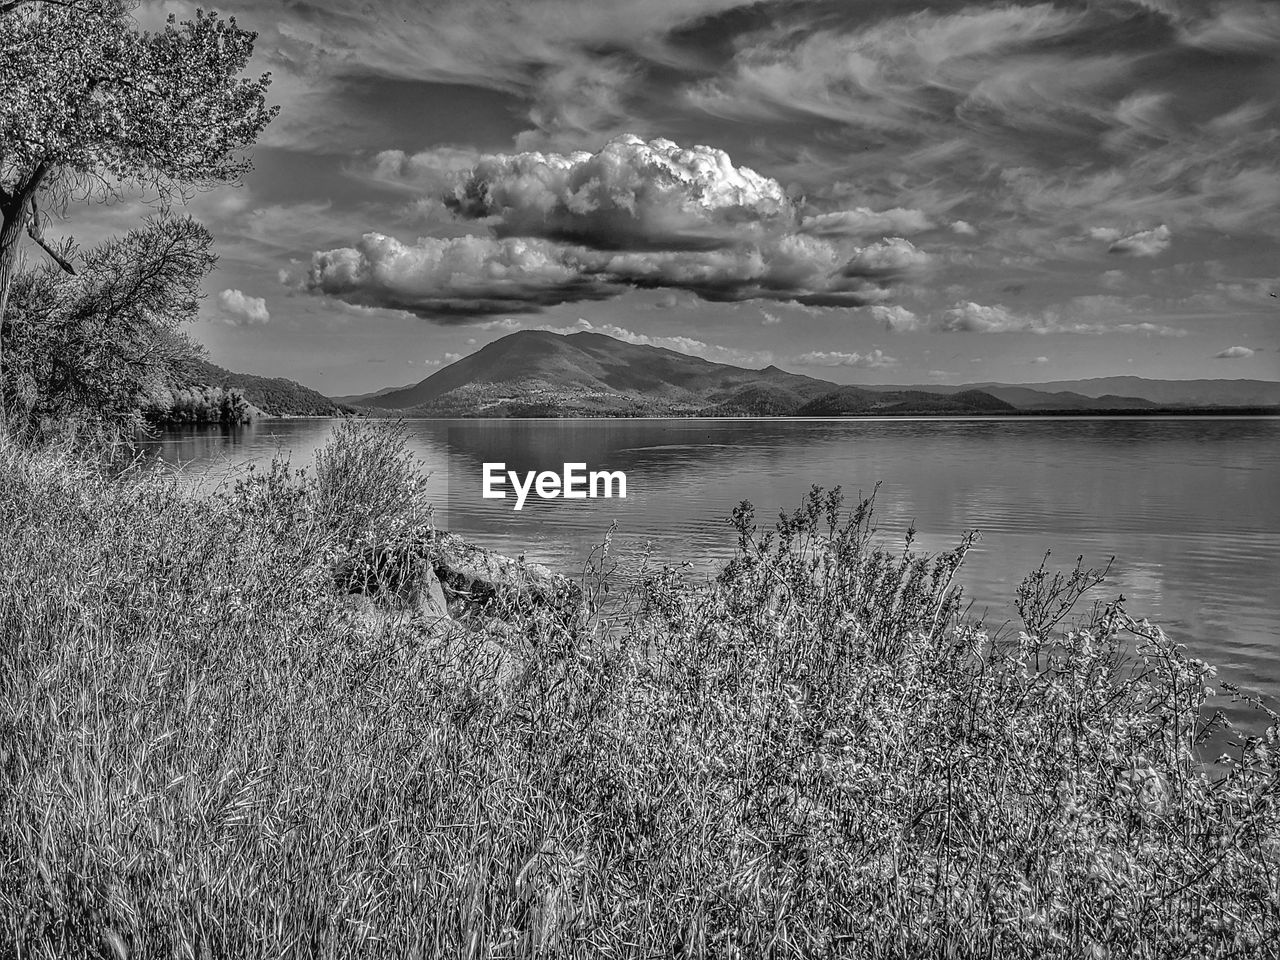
x=356, y=399
x=274, y=396
x=536, y=373
x=850, y=401
x=1116, y=393
x=1026, y=398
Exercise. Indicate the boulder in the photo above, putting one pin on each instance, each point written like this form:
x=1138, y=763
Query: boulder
x=480, y=580
x=400, y=579
x=427, y=596
x=448, y=576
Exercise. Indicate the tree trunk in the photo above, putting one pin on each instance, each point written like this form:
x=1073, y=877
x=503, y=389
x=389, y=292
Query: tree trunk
x=12, y=221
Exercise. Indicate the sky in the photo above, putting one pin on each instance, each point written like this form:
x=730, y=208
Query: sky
x=867, y=191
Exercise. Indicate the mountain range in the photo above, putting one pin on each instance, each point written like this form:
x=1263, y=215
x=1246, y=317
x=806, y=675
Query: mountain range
x=538, y=373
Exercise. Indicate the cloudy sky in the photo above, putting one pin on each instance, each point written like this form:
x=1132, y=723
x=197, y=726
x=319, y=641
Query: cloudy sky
x=881, y=191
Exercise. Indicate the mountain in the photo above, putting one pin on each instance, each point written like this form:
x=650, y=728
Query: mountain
x=367, y=399
x=536, y=373
x=1027, y=398
x=274, y=396
x=848, y=401
x=1118, y=393
x=533, y=372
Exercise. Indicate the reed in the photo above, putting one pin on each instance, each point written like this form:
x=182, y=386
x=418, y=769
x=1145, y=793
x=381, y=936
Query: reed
x=206, y=750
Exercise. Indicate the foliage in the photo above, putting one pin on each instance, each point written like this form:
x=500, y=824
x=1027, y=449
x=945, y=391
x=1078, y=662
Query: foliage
x=208, y=751
x=274, y=396
x=88, y=96
x=368, y=488
x=94, y=347
x=93, y=108
x=198, y=405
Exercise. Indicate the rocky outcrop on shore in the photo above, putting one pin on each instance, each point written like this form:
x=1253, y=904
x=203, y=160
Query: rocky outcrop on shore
x=446, y=575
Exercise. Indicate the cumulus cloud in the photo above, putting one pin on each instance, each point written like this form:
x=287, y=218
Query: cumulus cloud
x=1073, y=318
x=890, y=258
x=1144, y=243
x=1234, y=353
x=895, y=317
x=241, y=311
x=964, y=228
x=970, y=317
x=632, y=194
x=432, y=170
x=456, y=278
x=587, y=226
x=1036, y=361
x=1152, y=329
x=875, y=359
x=443, y=360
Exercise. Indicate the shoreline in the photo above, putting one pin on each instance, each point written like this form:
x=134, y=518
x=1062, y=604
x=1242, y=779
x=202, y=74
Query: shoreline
x=1193, y=414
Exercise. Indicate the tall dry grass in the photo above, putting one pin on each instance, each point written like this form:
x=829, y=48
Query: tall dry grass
x=207, y=751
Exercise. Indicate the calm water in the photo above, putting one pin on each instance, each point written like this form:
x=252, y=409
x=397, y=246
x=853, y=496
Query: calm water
x=1188, y=507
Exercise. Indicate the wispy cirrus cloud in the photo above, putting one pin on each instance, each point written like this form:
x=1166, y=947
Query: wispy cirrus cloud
x=1142, y=243
x=872, y=360
x=889, y=74
x=862, y=222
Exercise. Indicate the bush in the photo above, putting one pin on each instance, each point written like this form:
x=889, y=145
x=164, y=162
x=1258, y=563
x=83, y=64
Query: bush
x=92, y=349
x=207, y=751
x=197, y=404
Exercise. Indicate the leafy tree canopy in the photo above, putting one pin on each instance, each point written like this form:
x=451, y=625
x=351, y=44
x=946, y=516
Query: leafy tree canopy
x=92, y=107
x=88, y=101
x=95, y=348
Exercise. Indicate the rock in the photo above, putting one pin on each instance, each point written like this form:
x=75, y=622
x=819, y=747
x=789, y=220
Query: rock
x=429, y=596
x=447, y=576
x=484, y=581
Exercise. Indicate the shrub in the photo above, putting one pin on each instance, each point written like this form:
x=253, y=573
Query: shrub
x=208, y=752
x=368, y=484
x=93, y=348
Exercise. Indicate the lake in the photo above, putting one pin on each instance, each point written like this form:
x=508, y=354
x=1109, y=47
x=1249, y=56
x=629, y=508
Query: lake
x=1188, y=506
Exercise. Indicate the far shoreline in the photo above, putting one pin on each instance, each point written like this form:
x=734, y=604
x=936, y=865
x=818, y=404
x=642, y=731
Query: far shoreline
x=1196, y=413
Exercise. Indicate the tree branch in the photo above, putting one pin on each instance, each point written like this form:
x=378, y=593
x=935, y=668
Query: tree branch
x=36, y=233
x=10, y=5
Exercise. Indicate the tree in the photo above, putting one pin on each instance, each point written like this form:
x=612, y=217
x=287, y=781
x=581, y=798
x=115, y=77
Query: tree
x=91, y=107
x=95, y=347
